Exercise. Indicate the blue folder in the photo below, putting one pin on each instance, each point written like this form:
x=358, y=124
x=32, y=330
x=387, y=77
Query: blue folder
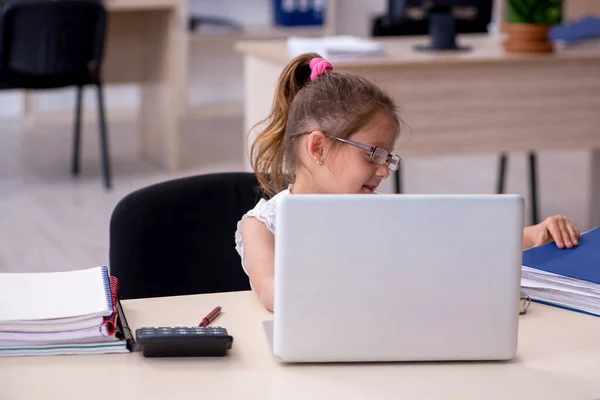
x=582, y=29
x=581, y=262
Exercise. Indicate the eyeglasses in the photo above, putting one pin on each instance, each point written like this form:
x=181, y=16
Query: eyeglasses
x=378, y=155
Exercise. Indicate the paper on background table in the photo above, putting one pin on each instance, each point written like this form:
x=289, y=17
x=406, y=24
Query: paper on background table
x=335, y=47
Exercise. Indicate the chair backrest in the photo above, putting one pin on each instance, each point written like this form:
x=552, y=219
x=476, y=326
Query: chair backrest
x=178, y=237
x=60, y=39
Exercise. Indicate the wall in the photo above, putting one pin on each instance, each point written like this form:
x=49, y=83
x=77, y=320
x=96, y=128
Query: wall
x=354, y=16
x=219, y=77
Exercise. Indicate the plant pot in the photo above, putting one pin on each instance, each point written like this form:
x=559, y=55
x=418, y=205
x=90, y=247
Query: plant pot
x=527, y=38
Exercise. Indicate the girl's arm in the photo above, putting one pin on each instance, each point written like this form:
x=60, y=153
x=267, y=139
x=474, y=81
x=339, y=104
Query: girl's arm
x=259, y=258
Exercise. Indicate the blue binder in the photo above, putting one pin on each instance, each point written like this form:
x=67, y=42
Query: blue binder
x=583, y=29
x=581, y=262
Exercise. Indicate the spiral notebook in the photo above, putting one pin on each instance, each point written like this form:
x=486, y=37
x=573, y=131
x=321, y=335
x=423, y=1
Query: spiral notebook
x=80, y=315
x=55, y=297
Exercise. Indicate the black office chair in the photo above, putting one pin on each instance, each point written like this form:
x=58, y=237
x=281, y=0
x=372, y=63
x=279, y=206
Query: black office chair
x=178, y=237
x=54, y=44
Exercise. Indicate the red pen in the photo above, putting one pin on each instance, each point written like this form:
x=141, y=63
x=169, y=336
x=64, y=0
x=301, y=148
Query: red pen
x=211, y=315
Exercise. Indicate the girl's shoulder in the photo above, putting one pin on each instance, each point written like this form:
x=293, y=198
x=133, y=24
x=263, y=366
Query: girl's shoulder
x=264, y=211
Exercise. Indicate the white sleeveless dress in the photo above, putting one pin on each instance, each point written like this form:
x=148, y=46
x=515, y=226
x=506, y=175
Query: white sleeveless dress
x=264, y=211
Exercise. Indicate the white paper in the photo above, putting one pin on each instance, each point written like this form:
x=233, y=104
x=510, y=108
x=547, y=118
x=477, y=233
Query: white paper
x=63, y=349
x=44, y=326
x=561, y=290
x=76, y=336
x=335, y=47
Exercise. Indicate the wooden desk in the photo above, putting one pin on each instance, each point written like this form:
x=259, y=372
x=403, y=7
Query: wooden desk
x=147, y=44
x=558, y=358
x=482, y=101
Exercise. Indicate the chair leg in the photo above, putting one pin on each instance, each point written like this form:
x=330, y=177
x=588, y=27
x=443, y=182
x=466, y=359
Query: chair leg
x=533, y=187
x=398, y=180
x=103, y=138
x=501, y=172
x=77, y=136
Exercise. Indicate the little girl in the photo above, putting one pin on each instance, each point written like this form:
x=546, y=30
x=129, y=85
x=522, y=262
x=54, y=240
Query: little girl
x=330, y=132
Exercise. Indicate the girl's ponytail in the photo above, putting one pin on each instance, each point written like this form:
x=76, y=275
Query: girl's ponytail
x=267, y=154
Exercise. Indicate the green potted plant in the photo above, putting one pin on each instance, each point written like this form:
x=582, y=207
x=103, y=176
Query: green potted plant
x=528, y=23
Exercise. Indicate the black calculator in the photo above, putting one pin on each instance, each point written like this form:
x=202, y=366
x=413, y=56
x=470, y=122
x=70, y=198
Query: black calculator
x=183, y=341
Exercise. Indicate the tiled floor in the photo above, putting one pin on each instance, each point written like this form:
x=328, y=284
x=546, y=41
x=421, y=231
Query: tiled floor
x=50, y=221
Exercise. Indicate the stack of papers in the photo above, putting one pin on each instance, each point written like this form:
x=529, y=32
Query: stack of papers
x=335, y=47
x=568, y=278
x=59, y=313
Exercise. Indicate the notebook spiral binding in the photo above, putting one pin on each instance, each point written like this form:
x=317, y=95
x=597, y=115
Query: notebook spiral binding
x=107, y=287
x=525, y=302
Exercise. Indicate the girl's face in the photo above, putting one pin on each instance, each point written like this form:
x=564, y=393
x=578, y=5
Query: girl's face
x=348, y=169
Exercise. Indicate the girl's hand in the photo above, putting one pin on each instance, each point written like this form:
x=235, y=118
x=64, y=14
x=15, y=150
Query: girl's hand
x=553, y=229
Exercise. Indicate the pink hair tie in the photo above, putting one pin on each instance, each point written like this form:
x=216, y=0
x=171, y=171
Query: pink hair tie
x=318, y=66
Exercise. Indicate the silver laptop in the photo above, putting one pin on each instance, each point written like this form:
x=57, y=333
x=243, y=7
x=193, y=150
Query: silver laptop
x=397, y=277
